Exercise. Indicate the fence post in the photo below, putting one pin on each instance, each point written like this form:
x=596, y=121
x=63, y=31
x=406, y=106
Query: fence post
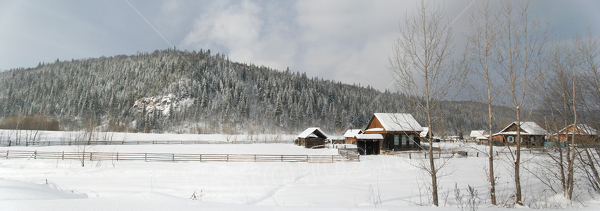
x=63, y=155
x=307, y=158
x=200, y=157
x=227, y=157
x=117, y=156
x=332, y=158
x=7, y=153
x=35, y=155
x=173, y=157
x=90, y=156
x=477, y=154
x=254, y=158
x=146, y=157
x=409, y=156
x=281, y=158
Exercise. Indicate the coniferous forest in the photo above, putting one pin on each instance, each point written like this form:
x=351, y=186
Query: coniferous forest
x=196, y=92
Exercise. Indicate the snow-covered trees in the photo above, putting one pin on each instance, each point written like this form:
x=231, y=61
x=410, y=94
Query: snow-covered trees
x=208, y=91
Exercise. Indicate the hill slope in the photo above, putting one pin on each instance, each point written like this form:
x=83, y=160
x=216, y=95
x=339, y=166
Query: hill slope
x=179, y=91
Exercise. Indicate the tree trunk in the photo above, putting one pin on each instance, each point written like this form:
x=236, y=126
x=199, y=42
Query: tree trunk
x=518, y=196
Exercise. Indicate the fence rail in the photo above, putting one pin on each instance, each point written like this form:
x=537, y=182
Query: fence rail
x=452, y=153
x=172, y=157
x=349, y=153
x=146, y=142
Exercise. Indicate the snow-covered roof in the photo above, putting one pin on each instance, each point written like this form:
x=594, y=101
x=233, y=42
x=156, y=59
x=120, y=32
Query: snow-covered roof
x=369, y=136
x=312, y=132
x=584, y=128
x=374, y=129
x=528, y=128
x=484, y=137
x=351, y=133
x=424, y=132
x=398, y=122
x=477, y=133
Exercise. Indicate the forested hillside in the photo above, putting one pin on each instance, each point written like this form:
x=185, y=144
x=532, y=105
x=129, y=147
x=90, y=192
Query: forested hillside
x=196, y=92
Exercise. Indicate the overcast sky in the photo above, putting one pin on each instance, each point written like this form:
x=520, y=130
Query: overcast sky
x=344, y=40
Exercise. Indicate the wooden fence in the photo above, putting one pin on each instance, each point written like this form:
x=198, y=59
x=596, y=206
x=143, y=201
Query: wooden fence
x=452, y=153
x=172, y=157
x=70, y=143
x=349, y=153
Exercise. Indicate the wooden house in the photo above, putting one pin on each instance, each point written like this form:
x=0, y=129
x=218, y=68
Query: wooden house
x=349, y=136
x=584, y=134
x=368, y=144
x=532, y=135
x=311, y=137
x=482, y=139
x=476, y=134
x=400, y=131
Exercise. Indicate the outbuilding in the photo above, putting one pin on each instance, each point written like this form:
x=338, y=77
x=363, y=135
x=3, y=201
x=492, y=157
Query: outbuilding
x=311, y=137
x=368, y=144
x=349, y=136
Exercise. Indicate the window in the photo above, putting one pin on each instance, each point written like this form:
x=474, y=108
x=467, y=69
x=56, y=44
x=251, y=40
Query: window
x=510, y=139
x=532, y=140
x=404, y=141
x=396, y=140
x=412, y=139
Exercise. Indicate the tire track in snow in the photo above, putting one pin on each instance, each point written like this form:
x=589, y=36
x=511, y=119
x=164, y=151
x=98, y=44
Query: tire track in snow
x=275, y=190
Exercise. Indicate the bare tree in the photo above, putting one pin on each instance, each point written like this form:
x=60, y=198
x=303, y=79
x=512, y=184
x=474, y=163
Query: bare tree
x=481, y=43
x=422, y=68
x=520, y=46
x=562, y=97
x=589, y=50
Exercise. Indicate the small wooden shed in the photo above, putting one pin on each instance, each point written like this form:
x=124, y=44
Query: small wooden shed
x=311, y=137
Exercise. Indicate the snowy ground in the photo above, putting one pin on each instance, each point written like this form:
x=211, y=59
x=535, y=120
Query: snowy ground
x=117, y=136
x=377, y=182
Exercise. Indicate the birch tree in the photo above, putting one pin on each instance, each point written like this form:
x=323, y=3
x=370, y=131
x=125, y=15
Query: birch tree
x=481, y=43
x=422, y=67
x=589, y=51
x=520, y=46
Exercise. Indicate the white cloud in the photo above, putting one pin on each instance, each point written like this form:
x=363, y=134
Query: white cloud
x=349, y=41
x=239, y=31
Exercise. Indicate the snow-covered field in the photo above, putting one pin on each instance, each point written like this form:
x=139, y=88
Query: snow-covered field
x=376, y=182
x=128, y=137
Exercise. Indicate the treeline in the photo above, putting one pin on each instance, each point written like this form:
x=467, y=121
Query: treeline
x=30, y=123
x=208, y=94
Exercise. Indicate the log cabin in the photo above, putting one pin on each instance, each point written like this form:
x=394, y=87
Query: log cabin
x=400, y=131
x=311, y=137
x=584, y=134
x=532, y=135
